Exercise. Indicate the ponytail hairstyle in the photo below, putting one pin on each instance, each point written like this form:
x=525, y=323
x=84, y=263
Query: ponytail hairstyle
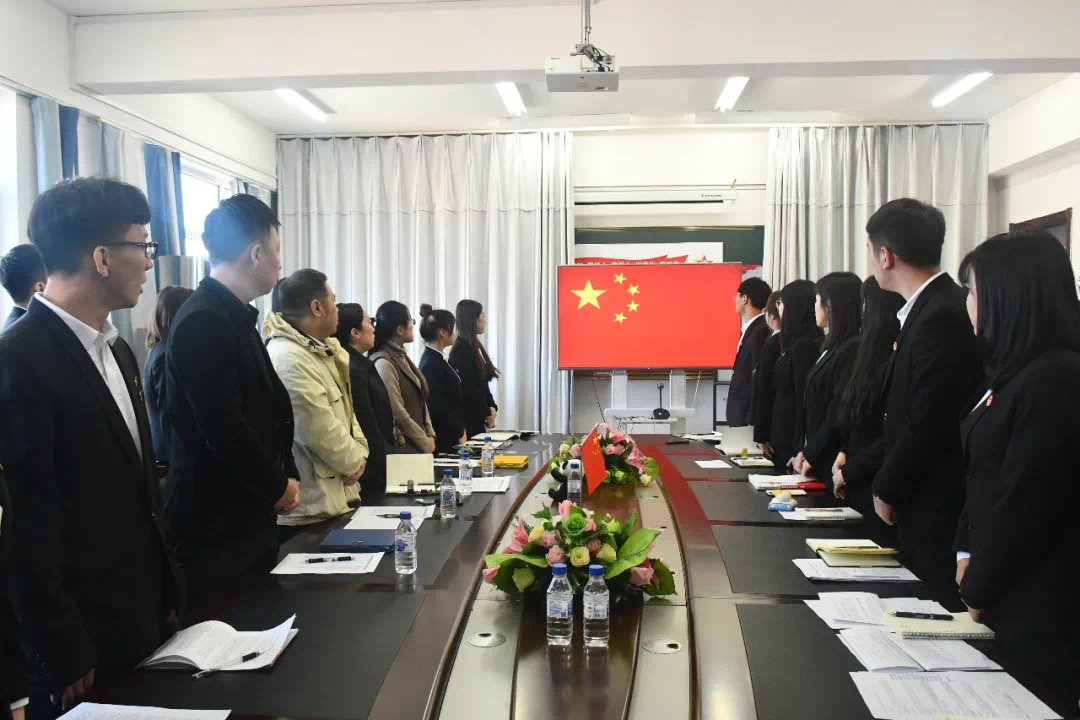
x=349, y=316
x=432, y=321
x=468, y=313
x=798, y=320
x=388, y=318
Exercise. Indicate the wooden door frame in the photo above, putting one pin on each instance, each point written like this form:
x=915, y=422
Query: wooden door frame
x=1046, y=221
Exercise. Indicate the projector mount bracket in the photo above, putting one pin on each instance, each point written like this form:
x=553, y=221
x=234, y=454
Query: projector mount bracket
x=600, y=59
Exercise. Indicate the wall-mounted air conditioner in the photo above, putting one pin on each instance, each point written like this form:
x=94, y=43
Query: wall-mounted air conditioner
x=712, y=199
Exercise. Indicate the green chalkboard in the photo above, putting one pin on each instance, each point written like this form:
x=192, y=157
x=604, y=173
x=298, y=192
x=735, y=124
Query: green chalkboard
x=744, y=244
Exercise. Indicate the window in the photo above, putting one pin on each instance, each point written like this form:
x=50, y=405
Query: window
x=202, y=191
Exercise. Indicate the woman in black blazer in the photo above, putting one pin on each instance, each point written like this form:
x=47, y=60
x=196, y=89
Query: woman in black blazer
x=371, y=403
x=1018, y=437
x=761, y=394
x=837, y=312
x=475, y=368
x=800, y=341
x=169, y=301
x=444, y=386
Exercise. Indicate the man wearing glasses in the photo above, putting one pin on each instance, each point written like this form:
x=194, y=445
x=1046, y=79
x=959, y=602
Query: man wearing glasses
x=94, y=582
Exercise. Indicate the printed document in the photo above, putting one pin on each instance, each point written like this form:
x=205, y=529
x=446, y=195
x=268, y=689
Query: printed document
x=902, y=696
x=297, y=564
x=370, y=517
x=94, y=711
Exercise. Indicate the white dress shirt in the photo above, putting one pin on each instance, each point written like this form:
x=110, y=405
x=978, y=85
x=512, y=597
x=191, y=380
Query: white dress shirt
x=906, y=310
x=98, y=346
x=742, y=330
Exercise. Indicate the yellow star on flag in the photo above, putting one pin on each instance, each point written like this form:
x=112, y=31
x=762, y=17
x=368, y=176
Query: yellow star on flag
x=620, y=318
x=633, y=306
x=633, y=290
x=620, y=278
x=588, y=296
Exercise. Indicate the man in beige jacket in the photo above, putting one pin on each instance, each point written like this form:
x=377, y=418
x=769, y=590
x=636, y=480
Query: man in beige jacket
x=328, y=445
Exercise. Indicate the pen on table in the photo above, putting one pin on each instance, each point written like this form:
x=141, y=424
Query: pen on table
x=242, y=659
x=922, y=615
x=340, y=558
x=390, y=516
x=823, y=510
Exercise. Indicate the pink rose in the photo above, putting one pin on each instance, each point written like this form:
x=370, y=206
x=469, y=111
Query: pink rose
x=590, y=526
x=555, y=555
x=618, y=437
x=519, y=535
x=550, y=538
x=513, y=548
x=564, y=508
x=615, y=449
x=642, y=576
x=575, y=450
x=594, y=546
x=489, y=574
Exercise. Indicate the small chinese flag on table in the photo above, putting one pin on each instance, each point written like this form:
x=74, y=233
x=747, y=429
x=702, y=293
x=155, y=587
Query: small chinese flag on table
x=593, y=459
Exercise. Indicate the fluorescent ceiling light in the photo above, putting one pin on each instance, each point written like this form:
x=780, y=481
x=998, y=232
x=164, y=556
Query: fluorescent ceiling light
x=301, y=103
x=732, y=90
x=511, y=98
x=958, y=88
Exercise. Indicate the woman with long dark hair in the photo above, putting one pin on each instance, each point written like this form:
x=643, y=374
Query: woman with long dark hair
x=800, y=340
x=475, y=367
x=861, y=405
x=1018, y=436
x=444, y=397
x=169, y=301
x=371, y=402
x=405, y=384
x=838, y=312
x=761, y=396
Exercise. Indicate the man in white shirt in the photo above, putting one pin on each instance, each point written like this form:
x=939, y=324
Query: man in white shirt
x=750, y=300
x=95, y=585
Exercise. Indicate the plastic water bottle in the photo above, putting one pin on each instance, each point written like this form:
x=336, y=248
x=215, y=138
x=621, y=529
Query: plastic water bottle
x=573, y=482
x=448, y=495
x=597, y=608
x=487, y=458
x=560, y=607
x=465, y=475
x=405, y=545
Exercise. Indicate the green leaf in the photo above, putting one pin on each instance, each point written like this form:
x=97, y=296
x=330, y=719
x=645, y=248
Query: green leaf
x=544, y=514
x=632, y=553
x=504, y=560
x=665, y=578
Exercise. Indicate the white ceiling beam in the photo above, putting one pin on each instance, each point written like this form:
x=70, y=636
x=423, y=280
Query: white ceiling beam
x=197, y=52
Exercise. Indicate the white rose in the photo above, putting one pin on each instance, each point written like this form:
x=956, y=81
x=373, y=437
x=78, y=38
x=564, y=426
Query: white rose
x=646, y=479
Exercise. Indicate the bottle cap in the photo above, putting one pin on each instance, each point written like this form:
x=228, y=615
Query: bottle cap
x=448, y=472
x=464, y=454
x=405, y=515
x=558, y=569
x=596, y=571
x=575, y=464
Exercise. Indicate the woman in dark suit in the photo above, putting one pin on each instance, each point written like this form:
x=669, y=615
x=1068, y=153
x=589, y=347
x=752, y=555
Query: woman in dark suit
x=444, y=386
x=861, y=406
x=838, y=313
x=800, y=341
x=371, y=403
x=761, y=395
x=1018, y=437
x=169, y=301
x=473, y=364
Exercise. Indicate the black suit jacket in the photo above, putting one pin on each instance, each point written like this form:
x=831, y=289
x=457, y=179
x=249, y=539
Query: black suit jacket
x=231, y=443
x=789, y=395
x=13, y=686
x=762, y=401
x=818, y=423
x=475, y=388
x=371, y=405
x=154, y=385
x=1023, y=543
x=16, y=313
x=928, y=379
x=742, y=374
x=445, y=401
x=92, y=569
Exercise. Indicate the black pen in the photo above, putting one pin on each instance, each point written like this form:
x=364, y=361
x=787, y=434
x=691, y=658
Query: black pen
x=242, y=659
x=340, y=558
x=922, y=616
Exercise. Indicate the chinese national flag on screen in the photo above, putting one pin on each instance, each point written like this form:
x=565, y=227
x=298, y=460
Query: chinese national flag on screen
x=648, y=316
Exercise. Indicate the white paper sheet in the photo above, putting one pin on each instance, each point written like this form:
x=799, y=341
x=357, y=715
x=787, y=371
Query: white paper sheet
x=770, y=482
x=214, y=644
x=938, y=655
x=821, y=514
x=898, y=696
x=297, y=564
x=367, y=517
x=496, y=436
x=494, y=484
x=874, y=648
x=818, y=570
x=712, y=464
x=823, y=611
x=452, y=463
x=704, y=437
x=895, y=605
x=95, y=711
x=856, y=608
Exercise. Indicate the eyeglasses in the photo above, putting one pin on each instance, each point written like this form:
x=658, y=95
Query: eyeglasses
x=149, y=248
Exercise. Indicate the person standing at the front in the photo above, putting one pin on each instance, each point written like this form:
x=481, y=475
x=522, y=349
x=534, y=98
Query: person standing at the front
x=750, y=300
x=933, y=370
x=231, y=466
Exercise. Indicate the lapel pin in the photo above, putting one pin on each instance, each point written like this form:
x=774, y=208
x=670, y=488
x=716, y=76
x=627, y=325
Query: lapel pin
x=894, y=347
x=989, y=401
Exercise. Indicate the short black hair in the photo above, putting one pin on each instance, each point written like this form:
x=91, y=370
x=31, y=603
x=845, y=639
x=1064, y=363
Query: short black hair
x=234, y=224
x=911, y=229
x=1026, y=300
x=72, y=218
x=20, y=270
x=756, y=290
x=296, y=292
x=432, y=321
x=841, y=297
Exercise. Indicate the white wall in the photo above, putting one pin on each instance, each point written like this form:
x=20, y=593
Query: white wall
x=34, y=55
x=585, y=412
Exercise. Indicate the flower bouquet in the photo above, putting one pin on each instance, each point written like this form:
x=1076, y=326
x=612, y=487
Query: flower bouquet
x=579, y=539
x=623, y=459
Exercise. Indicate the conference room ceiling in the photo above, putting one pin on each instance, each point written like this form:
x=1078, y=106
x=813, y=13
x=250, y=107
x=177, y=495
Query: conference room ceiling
x=901, y=98
x=93, y=8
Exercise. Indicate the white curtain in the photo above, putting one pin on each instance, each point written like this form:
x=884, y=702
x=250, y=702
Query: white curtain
x=436, y=219
x=824, y=183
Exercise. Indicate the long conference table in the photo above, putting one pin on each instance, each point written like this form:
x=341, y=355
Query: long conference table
x=735, y=643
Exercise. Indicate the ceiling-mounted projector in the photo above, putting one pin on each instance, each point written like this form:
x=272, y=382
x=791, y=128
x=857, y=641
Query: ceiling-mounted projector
x=587, y=69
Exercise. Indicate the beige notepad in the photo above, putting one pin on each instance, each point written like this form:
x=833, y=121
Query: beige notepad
x=961, y=627
x=852, y=553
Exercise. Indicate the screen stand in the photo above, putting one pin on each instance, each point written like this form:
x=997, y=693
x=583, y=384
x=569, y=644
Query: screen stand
x=640, y=418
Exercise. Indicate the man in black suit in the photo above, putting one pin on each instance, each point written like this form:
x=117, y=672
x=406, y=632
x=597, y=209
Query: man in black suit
x=13, y=688
x=933, y=370
x=750, y=300
x=22, y=273
x=231, y=466
x=95, y=587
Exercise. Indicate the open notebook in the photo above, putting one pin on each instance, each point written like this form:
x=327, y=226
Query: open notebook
x=214, y=644
x=961, y=627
